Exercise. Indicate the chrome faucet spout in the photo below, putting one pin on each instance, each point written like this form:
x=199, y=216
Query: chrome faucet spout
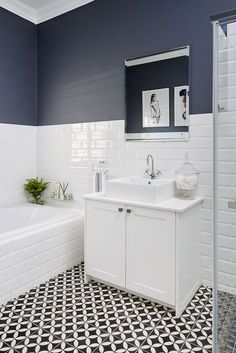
x=150, y=168
x=150, y=157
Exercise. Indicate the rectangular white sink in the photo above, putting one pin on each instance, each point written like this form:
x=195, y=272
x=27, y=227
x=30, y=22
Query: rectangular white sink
x=141, y=189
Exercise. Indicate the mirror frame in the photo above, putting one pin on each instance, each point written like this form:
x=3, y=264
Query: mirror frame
x=157, y=136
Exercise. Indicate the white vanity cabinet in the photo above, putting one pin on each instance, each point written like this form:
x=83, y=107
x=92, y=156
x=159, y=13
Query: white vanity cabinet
x=105, y=242
x=146, y=250
x=150, y=253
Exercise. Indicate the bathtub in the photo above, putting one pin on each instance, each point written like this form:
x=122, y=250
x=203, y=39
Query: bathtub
x=37, y=243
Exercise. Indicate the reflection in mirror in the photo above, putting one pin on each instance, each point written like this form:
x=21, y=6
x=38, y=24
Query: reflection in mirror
x=157, y=96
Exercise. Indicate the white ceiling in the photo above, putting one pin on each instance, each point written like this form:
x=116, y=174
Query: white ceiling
x=38, y=11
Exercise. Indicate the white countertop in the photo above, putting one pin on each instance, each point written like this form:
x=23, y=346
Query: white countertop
x=174, y=204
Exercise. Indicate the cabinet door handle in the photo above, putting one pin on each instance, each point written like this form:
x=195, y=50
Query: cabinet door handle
x=120, y=209
x=128, y=210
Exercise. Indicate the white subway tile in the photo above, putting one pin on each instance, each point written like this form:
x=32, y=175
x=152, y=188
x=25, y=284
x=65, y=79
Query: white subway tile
x=18, y=159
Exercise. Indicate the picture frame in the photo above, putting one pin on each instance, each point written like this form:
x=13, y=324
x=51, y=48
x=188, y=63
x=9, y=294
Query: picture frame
x=156, y=110
x=181, y=106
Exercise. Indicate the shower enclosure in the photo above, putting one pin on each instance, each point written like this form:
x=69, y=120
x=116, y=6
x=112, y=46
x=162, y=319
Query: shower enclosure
x=224, y=322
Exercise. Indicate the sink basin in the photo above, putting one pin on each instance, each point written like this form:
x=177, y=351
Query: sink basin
x=141, y=189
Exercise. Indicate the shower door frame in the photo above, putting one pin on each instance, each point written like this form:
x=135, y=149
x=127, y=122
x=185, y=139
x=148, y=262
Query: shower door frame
x=215, y=180
x=217, y=20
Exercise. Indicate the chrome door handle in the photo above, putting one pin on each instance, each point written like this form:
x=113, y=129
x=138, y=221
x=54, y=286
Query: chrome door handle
x=120, y=209
x=232, y=204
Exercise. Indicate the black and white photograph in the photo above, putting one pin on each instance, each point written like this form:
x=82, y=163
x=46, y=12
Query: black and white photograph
x=181, y=106
x=155, y=105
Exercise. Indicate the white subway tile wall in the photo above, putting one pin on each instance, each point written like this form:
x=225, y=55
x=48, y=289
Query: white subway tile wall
x=18, y=161
x=226, y=137
x=226, y=263
x=67, y=152
x=35, y=256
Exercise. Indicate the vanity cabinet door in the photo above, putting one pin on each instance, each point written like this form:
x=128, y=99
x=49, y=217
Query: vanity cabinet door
x=150, y=253
x=105, y=242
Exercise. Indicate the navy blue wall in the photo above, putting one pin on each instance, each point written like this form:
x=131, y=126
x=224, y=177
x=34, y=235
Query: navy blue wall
x=81, y=54
x=17, y=70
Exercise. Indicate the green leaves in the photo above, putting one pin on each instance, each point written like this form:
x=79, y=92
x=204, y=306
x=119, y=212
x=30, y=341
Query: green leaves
x=35, y=187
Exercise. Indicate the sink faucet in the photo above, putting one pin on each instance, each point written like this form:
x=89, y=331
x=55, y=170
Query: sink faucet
x=150, y=169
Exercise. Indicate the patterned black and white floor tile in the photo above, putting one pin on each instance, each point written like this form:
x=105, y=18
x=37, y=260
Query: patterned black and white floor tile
x=226, y=322
x=67, y=315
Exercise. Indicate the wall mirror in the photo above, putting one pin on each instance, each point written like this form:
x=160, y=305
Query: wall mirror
x=157, y=96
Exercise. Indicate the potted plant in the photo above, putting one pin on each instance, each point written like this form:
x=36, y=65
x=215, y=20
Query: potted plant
x=35, y=187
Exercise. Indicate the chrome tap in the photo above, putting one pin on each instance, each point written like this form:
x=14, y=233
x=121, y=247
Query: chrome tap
x=151, y=169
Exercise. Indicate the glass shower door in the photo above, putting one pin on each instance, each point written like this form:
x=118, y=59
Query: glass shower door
x=224, y=323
